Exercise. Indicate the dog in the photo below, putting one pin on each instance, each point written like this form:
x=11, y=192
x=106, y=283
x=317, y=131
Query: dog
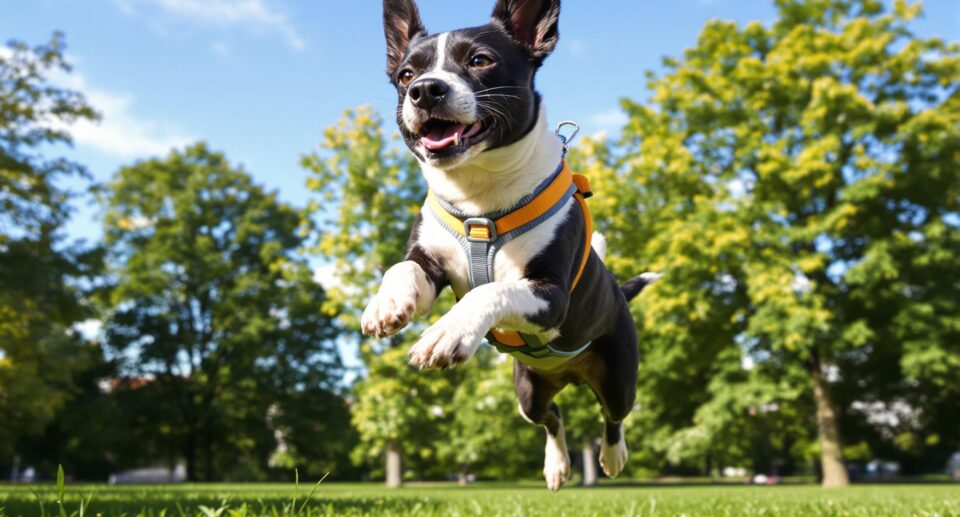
x=468, y=110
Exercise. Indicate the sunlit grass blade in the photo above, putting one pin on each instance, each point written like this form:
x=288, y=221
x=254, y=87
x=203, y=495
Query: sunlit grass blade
x=310, y=495
x=60, y=485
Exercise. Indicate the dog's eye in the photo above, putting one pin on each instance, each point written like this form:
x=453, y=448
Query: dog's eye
x=481, y=61
x=405, y=77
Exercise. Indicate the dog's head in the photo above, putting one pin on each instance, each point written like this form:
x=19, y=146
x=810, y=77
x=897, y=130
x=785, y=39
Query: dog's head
x=464, y=92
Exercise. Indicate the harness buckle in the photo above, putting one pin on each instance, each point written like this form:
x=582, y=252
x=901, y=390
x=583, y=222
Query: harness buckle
x=480, y=229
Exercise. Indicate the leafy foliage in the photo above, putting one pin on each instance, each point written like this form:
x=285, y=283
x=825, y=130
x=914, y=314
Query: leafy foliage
x=371, y=193
x=794, y=182
x=486, y=428
x=35, y=112
x=211, y=306
x=40, y=276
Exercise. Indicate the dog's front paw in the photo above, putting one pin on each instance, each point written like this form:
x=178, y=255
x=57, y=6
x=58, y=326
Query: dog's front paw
x=389, y=312
x=448, y=342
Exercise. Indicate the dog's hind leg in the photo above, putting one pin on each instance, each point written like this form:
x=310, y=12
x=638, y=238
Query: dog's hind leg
x=535, y=393
x=616, y=389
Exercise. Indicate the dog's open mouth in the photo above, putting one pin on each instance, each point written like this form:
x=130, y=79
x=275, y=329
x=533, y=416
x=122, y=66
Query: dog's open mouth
x=449, y=137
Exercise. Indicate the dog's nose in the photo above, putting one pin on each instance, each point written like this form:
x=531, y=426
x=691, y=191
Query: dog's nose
x=427, y=93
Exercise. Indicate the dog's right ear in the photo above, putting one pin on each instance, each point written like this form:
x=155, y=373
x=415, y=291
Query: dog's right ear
x=401, y=23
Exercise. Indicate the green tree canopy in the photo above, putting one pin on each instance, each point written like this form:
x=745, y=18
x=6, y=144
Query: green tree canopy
x=370, y=192
x=797, y=184
x=212, y=307
x=40, y=275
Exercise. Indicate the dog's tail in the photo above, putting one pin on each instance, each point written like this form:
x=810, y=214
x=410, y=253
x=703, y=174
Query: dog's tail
x=631, y=288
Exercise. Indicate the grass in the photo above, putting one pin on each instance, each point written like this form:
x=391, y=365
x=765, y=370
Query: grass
x=483, y=499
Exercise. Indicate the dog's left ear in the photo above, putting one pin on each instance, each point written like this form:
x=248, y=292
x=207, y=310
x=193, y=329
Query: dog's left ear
x=532, y=23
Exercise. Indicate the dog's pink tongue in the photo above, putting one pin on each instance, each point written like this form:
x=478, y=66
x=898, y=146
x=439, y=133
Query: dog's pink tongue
x=443, y=136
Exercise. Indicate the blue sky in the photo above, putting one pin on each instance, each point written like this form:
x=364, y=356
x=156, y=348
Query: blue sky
x=260, y=79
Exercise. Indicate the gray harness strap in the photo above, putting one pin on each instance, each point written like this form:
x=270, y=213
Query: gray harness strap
x=481, y=253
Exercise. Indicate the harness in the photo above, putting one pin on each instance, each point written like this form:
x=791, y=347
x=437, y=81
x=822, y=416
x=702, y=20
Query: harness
x=482, y=237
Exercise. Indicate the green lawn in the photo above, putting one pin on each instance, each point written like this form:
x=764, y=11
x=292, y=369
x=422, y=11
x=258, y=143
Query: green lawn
x=486, y=499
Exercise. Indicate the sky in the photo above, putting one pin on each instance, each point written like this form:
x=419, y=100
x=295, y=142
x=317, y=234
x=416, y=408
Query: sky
x=261, y=79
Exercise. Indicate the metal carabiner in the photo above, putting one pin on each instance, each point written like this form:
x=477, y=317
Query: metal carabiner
x=566, y=140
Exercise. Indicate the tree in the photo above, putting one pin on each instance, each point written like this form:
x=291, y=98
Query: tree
x=40, y=274
x=371, y=192
x=401, y=412
x=796, y=184
x=485, y=427
x=211, y=307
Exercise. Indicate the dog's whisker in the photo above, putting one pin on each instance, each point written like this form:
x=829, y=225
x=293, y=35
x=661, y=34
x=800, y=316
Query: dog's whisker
x=485, y=95
x=496, y=113
x=503, y=121
x=498, y=88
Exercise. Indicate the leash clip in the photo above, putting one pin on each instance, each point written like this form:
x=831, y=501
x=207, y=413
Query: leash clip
x=566, y=140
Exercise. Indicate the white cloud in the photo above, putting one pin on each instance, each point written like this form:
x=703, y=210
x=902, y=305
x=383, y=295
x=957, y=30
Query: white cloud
x=119, y=132
x=610, y=120
x=256, y=15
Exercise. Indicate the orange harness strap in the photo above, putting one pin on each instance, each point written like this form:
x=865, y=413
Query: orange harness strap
x=512, y=338
x=487, y=231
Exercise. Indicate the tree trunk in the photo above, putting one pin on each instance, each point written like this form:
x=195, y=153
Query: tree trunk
x=208, y=453
x=462, y=475
x=394, y=471
x=831, y=453
x=15, y=470
x=589, y=462
x=190, y=454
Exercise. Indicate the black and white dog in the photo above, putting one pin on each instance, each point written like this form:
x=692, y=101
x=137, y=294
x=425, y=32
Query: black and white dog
x=469, y=112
